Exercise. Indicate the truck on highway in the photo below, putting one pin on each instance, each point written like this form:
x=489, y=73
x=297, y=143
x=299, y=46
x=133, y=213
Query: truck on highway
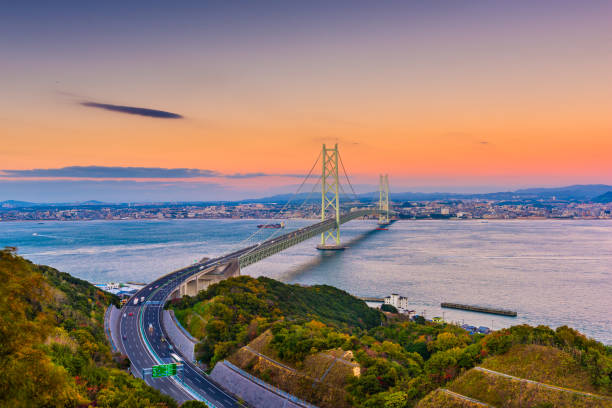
x=150, y=328
x=176, y=358
x=135, y=301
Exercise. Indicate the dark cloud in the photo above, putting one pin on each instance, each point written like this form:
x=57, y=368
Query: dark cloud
x=112, y=172
x=131, y=172
x=132, y=110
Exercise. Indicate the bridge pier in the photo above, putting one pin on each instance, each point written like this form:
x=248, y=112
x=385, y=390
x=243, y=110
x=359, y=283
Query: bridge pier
x=383, y=201
x=331, y=247
x=202, y=280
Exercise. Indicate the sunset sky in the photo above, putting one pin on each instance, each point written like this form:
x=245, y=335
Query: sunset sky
x=160, y=100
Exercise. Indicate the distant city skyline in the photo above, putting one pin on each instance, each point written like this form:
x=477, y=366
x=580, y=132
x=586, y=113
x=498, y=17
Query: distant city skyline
x=202, y=100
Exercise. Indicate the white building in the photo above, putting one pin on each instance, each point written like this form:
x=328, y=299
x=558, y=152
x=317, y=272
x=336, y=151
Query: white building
x=400, y=302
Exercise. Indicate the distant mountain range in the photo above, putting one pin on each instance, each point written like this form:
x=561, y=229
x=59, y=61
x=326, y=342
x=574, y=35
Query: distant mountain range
x=600, y=193
x=586, y=192
x=604, y=198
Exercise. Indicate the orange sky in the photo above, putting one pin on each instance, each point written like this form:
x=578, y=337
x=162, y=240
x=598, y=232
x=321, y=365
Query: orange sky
x=506, y=96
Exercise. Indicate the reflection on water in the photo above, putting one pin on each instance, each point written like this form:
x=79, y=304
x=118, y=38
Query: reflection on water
x=323, y=258
x=551, y=272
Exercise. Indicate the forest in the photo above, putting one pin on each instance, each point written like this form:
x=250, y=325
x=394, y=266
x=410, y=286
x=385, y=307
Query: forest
x=53, y=351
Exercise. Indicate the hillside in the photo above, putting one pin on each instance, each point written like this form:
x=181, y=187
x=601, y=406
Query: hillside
x=320, y=377
x=233, y=312
x=545, y=364
x=500, y=391
x=603, y=198
x=326, y=347
x=562, y=370
x=53, y=351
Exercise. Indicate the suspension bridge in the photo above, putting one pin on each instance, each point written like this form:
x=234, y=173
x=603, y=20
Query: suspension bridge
x=332, y=217
x=146, y=348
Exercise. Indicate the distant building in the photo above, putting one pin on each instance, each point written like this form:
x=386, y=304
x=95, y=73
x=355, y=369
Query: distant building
x=400, y=302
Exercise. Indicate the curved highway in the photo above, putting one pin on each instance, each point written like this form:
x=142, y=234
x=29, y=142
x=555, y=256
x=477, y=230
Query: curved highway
x=146, y=344
x=141, y=338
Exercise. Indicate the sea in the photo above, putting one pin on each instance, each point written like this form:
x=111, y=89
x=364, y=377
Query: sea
x=551, y=272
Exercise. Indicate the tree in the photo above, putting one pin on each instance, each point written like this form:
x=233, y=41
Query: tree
x=396, y=400
x=389, y=308
x=419, y=319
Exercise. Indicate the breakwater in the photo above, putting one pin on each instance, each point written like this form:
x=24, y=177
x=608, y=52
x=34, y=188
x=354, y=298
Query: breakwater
x=480, y=309
x=371, y=299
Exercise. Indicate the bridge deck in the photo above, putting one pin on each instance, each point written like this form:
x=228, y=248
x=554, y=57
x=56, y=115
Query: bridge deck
x=272, y=246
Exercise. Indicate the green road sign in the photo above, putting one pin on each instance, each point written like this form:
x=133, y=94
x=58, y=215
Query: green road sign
x=163, y=370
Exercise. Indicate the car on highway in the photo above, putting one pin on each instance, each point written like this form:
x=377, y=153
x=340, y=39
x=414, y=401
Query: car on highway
x=131, y=314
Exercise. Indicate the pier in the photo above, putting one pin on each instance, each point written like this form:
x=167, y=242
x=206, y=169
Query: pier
x=480, y=309
x=370, y=299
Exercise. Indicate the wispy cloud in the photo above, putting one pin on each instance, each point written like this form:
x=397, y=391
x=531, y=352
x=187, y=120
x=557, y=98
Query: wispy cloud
x=133, y=110
x=254, y=175
x=112, y=172
x=118, y=172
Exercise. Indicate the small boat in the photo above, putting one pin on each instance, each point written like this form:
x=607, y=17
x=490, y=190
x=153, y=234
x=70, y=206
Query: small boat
x=274, y=226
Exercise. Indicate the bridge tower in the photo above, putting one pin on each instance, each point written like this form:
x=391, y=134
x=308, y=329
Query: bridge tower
x=330, y=198
x=383, y=201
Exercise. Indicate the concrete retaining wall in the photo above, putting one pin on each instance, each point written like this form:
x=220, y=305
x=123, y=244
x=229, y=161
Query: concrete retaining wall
x=253, y=390
x=111, y=326
x=181, y=340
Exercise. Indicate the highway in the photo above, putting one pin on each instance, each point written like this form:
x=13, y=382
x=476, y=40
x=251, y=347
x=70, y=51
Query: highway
x=145, y=348
x=141, y=330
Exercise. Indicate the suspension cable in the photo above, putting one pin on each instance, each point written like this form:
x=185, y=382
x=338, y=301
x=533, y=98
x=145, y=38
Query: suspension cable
x=347, y=178
x=286, y=204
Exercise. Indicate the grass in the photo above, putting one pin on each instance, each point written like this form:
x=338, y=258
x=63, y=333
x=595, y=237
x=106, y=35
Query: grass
x=544, y=364
x=439, y=398
x=301, y=383
x=507, y=393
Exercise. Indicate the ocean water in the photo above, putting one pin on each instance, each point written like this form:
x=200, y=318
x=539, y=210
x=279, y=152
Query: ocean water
x=552, y=272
